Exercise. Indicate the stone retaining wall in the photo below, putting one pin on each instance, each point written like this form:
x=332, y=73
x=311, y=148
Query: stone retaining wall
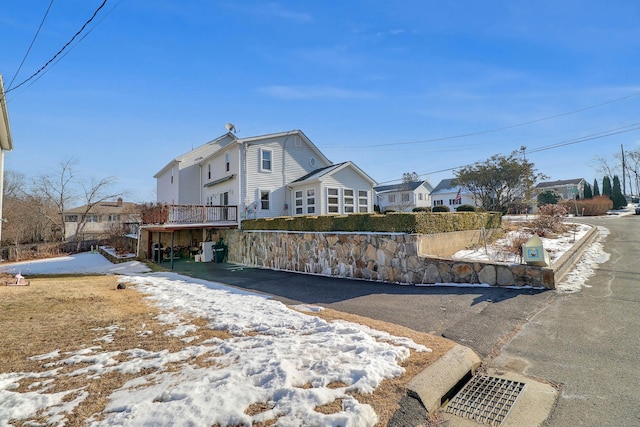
x=385, y=257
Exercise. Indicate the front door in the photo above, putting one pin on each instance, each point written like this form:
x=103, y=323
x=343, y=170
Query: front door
x=224, y=201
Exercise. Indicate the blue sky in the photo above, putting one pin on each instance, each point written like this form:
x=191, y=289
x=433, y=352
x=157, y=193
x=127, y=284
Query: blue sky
x=391, y=86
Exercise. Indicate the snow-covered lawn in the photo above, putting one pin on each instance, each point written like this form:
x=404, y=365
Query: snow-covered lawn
x=555, y=246
x=278, y=356
x=276, y=352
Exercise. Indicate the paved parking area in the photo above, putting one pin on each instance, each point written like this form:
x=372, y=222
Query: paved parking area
x=477, y=317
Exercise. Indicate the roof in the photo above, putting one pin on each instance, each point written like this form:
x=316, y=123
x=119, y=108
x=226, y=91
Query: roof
x=198, y=153
x=108, y=207
x=262, y=138
x=6, y=143
x=405, y=186
x=447, y=186
x=328, y=170
x=559, y=183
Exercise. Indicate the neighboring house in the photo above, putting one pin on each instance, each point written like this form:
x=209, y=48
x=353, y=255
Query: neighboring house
x=102, y=220
x=448, y=194
x=567, y=189
x=403, y=197
x=280, y=174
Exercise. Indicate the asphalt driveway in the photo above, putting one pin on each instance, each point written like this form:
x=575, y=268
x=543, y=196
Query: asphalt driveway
x=478, y=317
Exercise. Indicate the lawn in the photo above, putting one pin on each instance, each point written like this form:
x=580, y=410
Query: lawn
x=66, y=315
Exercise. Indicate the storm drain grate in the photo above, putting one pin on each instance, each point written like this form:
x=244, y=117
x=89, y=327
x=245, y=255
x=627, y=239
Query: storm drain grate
x=486, y=400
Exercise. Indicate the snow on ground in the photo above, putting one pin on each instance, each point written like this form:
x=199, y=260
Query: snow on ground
x=285, y=350
x=275, y=351
x=556, y=246
x=83, y=263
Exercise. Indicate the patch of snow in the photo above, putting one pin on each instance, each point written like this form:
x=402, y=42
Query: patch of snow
x=275, y=352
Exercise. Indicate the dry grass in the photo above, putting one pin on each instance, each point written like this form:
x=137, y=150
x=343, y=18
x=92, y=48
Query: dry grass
x=69, y=313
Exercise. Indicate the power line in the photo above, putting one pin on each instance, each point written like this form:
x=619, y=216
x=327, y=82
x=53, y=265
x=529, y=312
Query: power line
x=32, y=42
x=483, y=132
x=80, y=40
x=598, y=135
x=61, y=50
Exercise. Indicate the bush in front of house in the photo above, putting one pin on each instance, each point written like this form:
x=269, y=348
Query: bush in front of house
x=599, y=205
x=440, y=209
x=400, y=222
x=550, y=220
x=421, y=210
x=466, y=208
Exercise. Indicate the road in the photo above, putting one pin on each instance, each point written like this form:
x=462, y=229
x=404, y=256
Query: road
x=589, y=341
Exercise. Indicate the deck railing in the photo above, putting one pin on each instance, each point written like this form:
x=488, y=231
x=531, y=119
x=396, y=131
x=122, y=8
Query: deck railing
x=189, y=214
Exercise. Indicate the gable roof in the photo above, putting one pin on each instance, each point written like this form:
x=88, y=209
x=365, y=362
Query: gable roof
x=405, y=186
x=263, y=138
x=447, y=186
x=559, y=183
x=198, y=153
x=328, y=170
x=108, y=207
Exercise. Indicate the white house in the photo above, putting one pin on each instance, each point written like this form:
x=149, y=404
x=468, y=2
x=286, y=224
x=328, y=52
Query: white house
x=102, y=220
x=450, y=195
x=404, y=197
x=567, y=189
x=265, y=176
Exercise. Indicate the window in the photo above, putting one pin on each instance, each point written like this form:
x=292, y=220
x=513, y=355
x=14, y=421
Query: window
x=363, y=201
x=209, y=171
x=224, y=198
x=91, y=218
x=265, y=160
x=298, y=202
x=172, y=175
x=227, y=162
x=348, y=200
x=311, y=201
x=333, y=203
x=264, y=200
x=420, y=196
x=71, y=218
x=405, y=197
x=438, y=203
x=114, y=217
x=392, y=198
x=455, y=201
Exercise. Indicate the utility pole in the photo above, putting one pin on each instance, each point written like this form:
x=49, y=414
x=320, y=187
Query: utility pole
x=624, y=174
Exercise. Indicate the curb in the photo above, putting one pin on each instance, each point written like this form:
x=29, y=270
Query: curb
x=569, y=260
x=437, y=380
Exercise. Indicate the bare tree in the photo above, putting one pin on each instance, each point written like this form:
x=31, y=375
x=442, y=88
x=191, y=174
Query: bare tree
x=93, y=194
x=632, y=165
x=410, y=177
x=602, y=166
x=23, y=222
x=57, y=189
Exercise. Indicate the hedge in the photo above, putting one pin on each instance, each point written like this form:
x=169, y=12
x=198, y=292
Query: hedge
x=414, y=222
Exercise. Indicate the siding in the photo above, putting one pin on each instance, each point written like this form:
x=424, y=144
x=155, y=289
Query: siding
x=219, y=171
x=166, y=192
x=289, y=161
x=349, y=179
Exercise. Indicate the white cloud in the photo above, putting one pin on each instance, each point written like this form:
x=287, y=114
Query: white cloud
x=315, y=92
